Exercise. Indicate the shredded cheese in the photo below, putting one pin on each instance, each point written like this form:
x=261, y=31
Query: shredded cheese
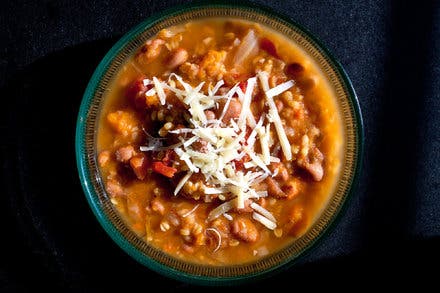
x=228, y=216
x=280, y=88
x=263, y=211
x=273, y=112
x=264, y=134
x=246, y=103
x=226, y=143
x=182, y=182
x=221, y=209
x=228, y=97
x=263, y=220
x=159, y=90
x=190, y=211
x=219, y=238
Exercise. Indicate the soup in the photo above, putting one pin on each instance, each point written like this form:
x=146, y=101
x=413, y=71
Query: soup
x=220, y=141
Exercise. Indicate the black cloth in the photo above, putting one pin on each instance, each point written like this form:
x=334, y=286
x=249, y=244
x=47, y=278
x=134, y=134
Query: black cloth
x=390, y=230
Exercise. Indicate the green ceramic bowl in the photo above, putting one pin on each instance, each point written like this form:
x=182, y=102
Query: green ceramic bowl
x=93, y=186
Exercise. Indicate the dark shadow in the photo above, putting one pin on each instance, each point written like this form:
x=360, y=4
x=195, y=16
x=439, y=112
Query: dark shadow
x=54, y=240
x=392, y=190
x=54, y=237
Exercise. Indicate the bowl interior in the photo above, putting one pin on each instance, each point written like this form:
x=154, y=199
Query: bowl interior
x=86, y=137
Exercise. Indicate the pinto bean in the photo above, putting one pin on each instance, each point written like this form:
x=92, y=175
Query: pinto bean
x=274, y=189
x=188, y=248
x=124, y=154
x=315, y=170
x=291, y=189
x=233, y=111
x=114, y=188
x=210, y=115
x=136, y=212
x=157, y=206
x=201, y=146
x=313, y=164
x=280, y=170
x=151, y=50
x=223, y=90
x=177, y=57
x=244, y=229
x=173, y=219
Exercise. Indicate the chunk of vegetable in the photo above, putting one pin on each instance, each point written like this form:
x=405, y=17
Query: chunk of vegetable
x=247, y=48
x=212, y=65
x=139, y=164
x=313, y=164
x=161, y=168
x=232, y=112
x=244, y=229
x=103, y=158
x=178, y=57
x=114, y=188
x=135, y=93
x=124, y=154
x=150, y=51
x=274, y=189
x=124, y=123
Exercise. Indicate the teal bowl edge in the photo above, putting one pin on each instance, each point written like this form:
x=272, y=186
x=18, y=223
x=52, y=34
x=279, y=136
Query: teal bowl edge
x=85, y=176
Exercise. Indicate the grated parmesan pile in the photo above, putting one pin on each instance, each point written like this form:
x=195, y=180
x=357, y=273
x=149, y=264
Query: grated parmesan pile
x=227, y=142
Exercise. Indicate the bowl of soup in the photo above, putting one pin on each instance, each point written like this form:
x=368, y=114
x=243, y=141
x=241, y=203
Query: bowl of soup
x=218, y=143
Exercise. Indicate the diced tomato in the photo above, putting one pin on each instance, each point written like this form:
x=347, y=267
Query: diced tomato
x=136, y=93
x=242, y=85
x=248, y=133
x=239, y=164
x=135, y=87
x=236, y=75
x=161, y=168
x=246, y=158
x=269, y=47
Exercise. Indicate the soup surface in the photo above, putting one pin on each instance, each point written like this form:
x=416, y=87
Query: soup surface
x=219, y=141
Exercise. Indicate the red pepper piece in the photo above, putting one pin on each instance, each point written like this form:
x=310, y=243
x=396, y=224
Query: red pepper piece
x=161, y=168
x=268, y=46
x=136, y=93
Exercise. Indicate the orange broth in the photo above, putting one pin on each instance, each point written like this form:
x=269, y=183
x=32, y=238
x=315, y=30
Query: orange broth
x=178, y=224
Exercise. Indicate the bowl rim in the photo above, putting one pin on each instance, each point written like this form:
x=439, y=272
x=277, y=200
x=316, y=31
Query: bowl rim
x=84, y=173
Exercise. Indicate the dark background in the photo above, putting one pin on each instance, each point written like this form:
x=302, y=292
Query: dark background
x=390, y=230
